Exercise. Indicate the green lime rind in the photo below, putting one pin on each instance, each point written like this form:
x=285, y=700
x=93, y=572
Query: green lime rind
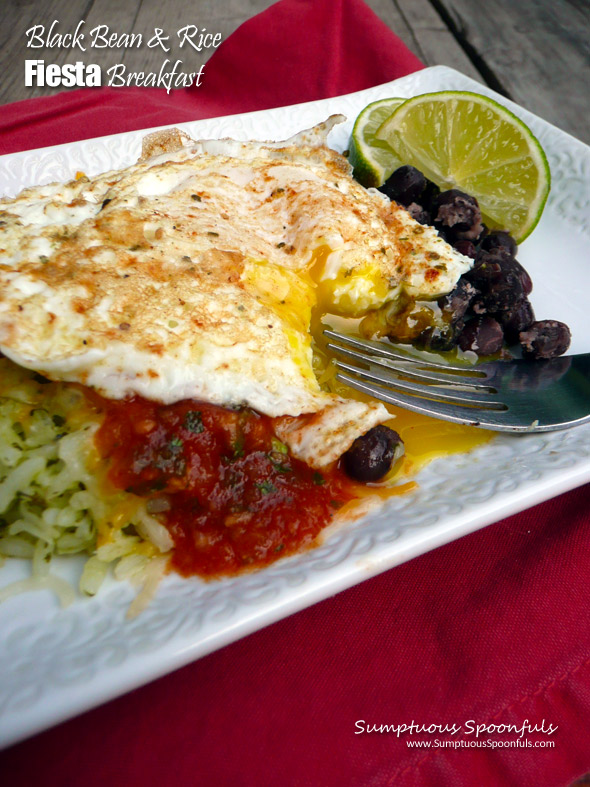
x=372, y=160
x=465, y=140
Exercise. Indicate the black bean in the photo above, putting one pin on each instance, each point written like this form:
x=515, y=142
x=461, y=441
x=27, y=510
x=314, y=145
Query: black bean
x=475, y=233
x=516, y=319
x=499, y=255
x=454, y=208
x=499, y=239
x=482, y=335
x=510, y=264
x=545, y=339
x=372, y=455
x=492, y=266
x=501, y=294
x=484, y=233
x=405, y=185
x=429, y=195
x=419, y=214
x=466, y=247
x=455, y=305
x=483, y=274
x=446, y=234
x=441, y=338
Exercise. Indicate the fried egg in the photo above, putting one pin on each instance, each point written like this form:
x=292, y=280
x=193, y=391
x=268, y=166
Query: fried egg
x=194, y=273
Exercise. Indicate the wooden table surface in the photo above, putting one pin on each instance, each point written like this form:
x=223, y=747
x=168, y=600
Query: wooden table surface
x=535, y=52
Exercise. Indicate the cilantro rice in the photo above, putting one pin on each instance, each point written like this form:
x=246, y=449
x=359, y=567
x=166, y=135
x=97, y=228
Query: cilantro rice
x=55, y=498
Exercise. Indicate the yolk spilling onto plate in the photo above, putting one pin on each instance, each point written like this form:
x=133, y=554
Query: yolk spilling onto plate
x=310, y=301
x=424, y=438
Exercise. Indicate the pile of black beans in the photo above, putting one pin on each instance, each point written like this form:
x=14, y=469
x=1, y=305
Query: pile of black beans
x=489, y=310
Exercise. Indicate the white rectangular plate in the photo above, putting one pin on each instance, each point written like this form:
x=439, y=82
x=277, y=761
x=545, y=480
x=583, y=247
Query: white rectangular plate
x=57, y=663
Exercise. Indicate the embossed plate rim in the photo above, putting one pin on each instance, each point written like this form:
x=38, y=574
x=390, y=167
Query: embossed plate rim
x=58, y=663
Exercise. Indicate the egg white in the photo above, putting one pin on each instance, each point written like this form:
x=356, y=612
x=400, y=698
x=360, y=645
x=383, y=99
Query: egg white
x=194, y=274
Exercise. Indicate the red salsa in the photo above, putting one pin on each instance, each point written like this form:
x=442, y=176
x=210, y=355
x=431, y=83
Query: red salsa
x=233, y=495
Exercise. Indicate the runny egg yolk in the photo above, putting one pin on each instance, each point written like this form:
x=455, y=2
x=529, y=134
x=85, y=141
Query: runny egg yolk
x=304, y=301
x=424, y=438
x=350, y=292
x=291, y=296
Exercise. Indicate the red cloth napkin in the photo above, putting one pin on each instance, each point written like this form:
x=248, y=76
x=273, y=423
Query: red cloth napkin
x=294, y=52
x=492, y=629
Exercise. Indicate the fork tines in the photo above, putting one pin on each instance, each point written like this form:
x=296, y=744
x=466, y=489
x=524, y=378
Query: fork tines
x=513, y=396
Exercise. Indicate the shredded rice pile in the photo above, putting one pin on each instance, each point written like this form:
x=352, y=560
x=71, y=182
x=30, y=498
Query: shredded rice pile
x=55, y=498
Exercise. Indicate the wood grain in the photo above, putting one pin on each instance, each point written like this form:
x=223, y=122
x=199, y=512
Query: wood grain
x=537, y=53
x=431, y=40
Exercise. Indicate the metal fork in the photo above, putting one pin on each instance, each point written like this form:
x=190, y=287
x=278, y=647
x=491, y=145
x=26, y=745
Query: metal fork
x=507, y=396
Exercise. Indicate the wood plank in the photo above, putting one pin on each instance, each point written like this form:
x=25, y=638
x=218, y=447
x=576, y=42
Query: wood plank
x=537, y=53
x=119, y=17
x=214, y=17
x=431, y=39
x=19, y=16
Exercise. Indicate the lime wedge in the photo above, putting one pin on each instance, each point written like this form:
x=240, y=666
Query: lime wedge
x=468, y=141
x=373, y=161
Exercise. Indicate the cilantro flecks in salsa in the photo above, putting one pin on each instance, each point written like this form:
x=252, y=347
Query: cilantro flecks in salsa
x=230, y=494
